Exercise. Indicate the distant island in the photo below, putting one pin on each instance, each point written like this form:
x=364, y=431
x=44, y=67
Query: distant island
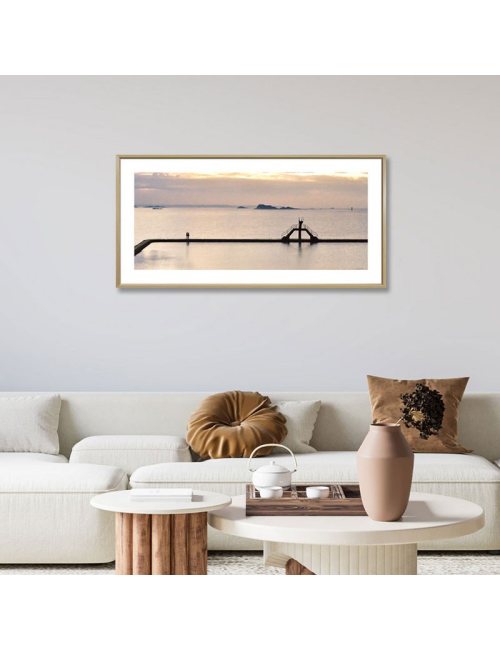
x=263, y=206
x=242, y=207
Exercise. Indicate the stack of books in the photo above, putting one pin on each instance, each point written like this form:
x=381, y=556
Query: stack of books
x=161, y=494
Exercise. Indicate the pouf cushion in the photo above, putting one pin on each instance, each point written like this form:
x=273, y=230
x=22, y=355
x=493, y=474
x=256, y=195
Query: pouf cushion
x=233, y=424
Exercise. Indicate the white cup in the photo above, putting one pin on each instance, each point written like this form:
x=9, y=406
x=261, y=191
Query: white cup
x=271, y=492
x=317, y=492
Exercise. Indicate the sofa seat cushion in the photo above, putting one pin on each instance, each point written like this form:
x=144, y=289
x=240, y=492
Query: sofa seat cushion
x=24, y=458
x=326, y=466
x=130, y=452
x=459, y=468
x=46, y=516
x=60, y=477
x=472, y=478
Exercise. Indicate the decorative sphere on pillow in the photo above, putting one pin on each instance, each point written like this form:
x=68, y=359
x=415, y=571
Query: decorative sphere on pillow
x=233, y=424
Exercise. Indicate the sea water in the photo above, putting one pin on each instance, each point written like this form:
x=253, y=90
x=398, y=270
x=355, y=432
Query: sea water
x=234, y=223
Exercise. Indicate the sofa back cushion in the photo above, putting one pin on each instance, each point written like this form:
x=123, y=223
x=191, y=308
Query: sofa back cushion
x=29, y=424
x=301, y=416
x=342, y=423
x=130, y=452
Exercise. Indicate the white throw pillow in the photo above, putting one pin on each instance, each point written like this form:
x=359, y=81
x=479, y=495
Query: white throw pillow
x=300, y=419
x=29, y=424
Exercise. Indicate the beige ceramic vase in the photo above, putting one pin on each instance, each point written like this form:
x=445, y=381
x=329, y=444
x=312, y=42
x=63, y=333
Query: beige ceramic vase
x=385, y=470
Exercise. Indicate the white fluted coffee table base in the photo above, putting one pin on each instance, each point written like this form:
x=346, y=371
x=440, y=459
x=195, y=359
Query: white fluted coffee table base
x=334, y=545
x=394, y=560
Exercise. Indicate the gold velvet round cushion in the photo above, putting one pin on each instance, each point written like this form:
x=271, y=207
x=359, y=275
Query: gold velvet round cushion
x=233, y=424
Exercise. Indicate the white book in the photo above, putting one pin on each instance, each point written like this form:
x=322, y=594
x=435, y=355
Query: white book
x=153, y=492
x=162, y=499
x=159, y=494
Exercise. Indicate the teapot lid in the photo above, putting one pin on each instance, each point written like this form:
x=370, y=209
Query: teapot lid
x=272, y=468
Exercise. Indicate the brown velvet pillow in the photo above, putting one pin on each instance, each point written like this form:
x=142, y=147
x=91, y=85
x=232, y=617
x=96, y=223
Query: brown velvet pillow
x=231, y=425
x=387, y=404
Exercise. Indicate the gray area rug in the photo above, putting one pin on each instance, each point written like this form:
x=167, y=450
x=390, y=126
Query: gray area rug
x=250, y=563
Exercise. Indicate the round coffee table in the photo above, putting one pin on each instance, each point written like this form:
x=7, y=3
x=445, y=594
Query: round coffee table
x=306, y=545
x=166, y=538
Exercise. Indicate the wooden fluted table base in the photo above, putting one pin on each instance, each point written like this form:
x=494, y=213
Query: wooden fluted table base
x=315, y=559
x=294, y=568
x=161, y=544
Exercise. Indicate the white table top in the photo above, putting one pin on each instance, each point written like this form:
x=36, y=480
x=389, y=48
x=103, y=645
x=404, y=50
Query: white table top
x=428, y=517
x=120, y=501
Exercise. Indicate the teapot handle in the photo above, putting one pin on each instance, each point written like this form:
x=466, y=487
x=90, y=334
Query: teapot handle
x=272, y=444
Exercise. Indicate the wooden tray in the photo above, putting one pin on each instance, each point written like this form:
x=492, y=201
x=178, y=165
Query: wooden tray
x=343, y=500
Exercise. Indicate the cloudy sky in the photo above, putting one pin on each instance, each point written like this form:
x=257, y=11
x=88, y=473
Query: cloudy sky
x=296, y=189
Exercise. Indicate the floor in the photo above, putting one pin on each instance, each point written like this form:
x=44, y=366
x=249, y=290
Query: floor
x=250, y=563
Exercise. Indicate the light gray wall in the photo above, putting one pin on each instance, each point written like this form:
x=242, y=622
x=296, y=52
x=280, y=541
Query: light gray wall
x=64, y=325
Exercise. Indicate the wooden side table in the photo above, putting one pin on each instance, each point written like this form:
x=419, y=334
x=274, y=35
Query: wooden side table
x=165, y=538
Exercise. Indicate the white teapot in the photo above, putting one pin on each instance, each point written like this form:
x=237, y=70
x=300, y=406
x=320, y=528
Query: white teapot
x=272, y=475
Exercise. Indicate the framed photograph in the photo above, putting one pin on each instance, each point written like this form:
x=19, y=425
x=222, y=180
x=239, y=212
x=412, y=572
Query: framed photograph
x=251, y=221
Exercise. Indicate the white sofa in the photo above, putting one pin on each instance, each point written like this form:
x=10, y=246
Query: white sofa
x=45, y=514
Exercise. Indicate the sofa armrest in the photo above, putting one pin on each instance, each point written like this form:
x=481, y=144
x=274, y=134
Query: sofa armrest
x=130, y=452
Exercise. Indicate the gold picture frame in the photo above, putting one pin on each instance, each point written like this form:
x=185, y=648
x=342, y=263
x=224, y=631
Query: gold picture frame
x=128, y=277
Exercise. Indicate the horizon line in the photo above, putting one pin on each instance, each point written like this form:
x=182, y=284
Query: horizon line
x=227, y=205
